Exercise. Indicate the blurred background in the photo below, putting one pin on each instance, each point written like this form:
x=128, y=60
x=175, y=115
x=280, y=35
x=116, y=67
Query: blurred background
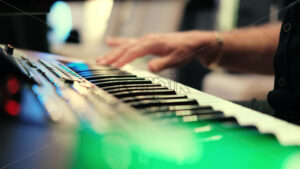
x=78, y=29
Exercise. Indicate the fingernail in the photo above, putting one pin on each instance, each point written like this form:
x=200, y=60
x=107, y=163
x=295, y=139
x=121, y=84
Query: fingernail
x=151, y=68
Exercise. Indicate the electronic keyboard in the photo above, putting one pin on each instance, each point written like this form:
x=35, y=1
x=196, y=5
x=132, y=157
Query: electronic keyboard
x=106, y=117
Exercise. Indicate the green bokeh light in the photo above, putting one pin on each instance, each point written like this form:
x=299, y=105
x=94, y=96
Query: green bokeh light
x=167, y=147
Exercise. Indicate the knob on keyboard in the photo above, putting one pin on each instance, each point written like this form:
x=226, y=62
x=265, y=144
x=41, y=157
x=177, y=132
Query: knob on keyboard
x=9, y=49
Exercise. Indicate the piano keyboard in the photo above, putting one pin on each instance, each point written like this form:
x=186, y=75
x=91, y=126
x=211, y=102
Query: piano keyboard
x=163, y=118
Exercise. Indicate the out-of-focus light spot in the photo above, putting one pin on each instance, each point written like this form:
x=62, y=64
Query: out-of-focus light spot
x=292, y=162
x=54, y=115
x=13, y=85
x=202, y=129
x=226, y=16
x=12, y=108
x=183, y=113
x=160, y=144
x=60, y=21
x=116, y=152
x=190, y=118
x=214, y=138
x=78, y=66
x=97, y=13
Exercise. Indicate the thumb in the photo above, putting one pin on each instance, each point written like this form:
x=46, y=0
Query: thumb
x=158, y=64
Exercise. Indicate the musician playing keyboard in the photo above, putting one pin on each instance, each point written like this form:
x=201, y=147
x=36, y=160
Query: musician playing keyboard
x=251, y=50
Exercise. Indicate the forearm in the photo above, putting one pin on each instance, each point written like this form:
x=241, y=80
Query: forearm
x=244, y=50
x=250, y=49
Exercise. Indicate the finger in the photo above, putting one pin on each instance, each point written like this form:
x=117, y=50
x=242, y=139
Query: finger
x=118, y=41
x=142, y=49
x=114, y=41
x=113, y=55
x=158, y=64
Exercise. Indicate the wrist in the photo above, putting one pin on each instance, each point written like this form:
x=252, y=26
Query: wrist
x=219, y=43
x=207, y=46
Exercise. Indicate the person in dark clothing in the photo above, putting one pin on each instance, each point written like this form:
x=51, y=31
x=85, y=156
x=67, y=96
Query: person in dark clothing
x=252, y=50
x=286, y=93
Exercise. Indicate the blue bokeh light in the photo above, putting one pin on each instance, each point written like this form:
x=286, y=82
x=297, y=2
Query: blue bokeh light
x=60, y=21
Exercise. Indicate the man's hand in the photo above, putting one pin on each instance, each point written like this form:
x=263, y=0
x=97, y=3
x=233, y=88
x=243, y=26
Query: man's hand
x=174, y=49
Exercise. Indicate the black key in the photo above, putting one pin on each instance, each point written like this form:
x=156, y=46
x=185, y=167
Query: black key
x=157, y=97
x=143, y=93
x=104, y=76
x=98, y=70
x=207, y=110
x=184, y=113
x=128, y=89
x=174, y=108
x=230, y=131
x=102, y=73
x=170, y=114
x=208, y=131
x=232, y=125
x=129, y=86
x=93, y=77
x=158, y=103
x=207, y=117
x=198, y=118
x=87, y=67
x=226, y=123
x=116, y=83
x=115, y=79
